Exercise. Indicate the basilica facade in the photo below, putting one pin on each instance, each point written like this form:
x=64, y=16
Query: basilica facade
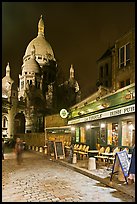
x=39, y=92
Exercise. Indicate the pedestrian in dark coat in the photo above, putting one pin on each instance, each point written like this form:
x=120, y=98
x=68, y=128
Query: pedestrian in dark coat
x=19, y=150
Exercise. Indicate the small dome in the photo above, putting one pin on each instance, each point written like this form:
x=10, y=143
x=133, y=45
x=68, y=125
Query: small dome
x=31, y=65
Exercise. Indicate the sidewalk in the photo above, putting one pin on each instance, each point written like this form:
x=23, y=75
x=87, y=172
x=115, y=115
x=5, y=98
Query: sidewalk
x=100, y=174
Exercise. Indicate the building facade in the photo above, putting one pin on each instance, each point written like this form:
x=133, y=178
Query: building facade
x=107, y=121
x=107, y=117
x=116, y=67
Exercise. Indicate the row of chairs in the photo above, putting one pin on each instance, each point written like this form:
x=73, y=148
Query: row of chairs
x=81, y=150
x=107, y=150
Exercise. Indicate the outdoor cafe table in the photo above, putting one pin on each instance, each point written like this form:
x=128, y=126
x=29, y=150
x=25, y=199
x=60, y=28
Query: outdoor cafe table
x=109, y=154
x=92, y=152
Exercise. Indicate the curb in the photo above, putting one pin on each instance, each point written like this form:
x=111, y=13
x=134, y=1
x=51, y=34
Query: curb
x=105, y=181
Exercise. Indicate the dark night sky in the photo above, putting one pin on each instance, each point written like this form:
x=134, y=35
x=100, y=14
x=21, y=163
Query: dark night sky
x=78, y=32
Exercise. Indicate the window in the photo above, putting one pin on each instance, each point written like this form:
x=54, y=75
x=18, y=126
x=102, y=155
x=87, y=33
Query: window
x=22, y=84
x=127, y=82
x=112, y=133
x=106, y=83
x=122, y=84
x=115, y=134
x=127, y=53
x=124, y=55
x=103, y=133
x=101, y=71
x=106, y=67
x=121, y=57
x=77, y=134
x=4, y=122
x=128, y=133
x=82, y=135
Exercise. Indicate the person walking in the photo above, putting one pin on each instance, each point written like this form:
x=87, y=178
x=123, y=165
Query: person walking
x=19, y=150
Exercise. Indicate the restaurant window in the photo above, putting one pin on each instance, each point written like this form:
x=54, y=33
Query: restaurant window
x=103, y=133
x=109, y=129
x=82, y=135
x=128, y=133
x=112, y=133
x=77, y=134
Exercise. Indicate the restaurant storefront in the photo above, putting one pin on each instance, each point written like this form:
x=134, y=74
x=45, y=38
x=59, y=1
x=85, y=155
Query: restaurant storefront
x=113, y=125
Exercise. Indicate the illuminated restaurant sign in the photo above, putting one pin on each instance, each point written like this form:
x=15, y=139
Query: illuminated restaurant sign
x=63, y=113
x=115, y=112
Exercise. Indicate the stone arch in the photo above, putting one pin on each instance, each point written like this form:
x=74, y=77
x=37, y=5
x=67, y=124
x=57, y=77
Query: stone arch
x=19, y=123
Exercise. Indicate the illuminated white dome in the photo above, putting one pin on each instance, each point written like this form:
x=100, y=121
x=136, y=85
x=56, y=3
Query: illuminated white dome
x=43, y=50
x=42, y=47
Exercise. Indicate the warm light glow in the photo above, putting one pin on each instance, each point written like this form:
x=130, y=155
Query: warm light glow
x=102, y=125
x=88, y=127
x=131, y=127
x=90, y=110
x=100, y=107
x=72, y=128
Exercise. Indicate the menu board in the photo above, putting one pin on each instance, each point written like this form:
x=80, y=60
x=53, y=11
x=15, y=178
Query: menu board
x=59, y=149
x=124, y=161
x=121, y=158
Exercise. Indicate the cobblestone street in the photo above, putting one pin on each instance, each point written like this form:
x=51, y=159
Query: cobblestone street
x=39, y=179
